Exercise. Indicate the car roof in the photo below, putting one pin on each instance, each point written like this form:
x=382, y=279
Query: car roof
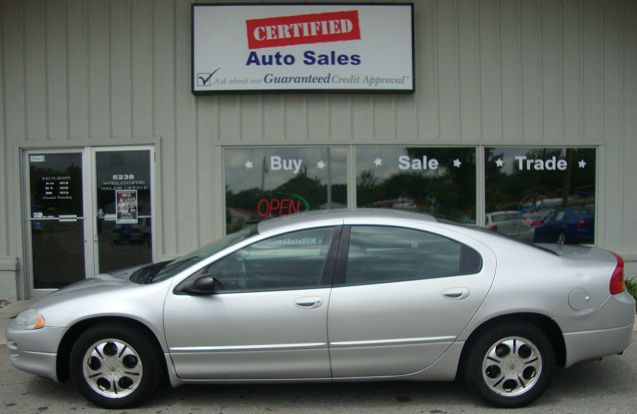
x=345, y=213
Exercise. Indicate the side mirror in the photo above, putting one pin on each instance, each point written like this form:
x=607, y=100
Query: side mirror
x=203, y=285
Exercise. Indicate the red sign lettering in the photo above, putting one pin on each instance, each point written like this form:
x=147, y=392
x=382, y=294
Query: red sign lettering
x=277, y=207
x=303, y=29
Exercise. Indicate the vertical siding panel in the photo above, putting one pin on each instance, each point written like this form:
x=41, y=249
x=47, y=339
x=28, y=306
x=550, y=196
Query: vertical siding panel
x=164, y=100
x=384, y=122
x=572, y=74
x=14, y=109
x=511, y=71
x=427, y=76
x=57, y=74
x=318, y=117
x=593, y=105
x=4, y=216
x=630, y=125
x=448, y=71
x=230, y=118
x=341, y=117
x=121, y=99
x=274, y=118
x=98, y=67
x=142, y=67
x=251, y=118
x=470, y=126
x=362, y=118
x=209, y=195
x=552, y=69
x=14, y=71
x=406, y=118
x=186, y=165
x=296, y=117
x=613, y=122
x=35, y=71
x=78, y=68
x=490, y=67
x=532, y=114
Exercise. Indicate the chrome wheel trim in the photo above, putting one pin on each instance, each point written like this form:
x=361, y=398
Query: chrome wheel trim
x=512, y=366
x=112, y=368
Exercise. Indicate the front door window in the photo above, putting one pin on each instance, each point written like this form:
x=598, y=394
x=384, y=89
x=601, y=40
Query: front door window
x=123, y=209
x=56, y=222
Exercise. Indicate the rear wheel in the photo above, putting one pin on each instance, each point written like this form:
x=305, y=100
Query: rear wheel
x=115, y=366
x=510, y=365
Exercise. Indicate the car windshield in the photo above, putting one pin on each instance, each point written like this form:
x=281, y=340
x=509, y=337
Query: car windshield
x=183, y=262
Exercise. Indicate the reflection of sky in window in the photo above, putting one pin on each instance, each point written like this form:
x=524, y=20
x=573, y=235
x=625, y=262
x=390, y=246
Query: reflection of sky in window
x=508, y=156
x=239, y=178
x=366, y=155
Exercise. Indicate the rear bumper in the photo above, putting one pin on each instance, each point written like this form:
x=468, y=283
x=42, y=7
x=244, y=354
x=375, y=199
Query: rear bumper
x=587, y=345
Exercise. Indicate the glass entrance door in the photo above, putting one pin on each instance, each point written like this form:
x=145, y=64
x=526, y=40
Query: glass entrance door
x=123, y=208
x=56, y=220
x=89, y=212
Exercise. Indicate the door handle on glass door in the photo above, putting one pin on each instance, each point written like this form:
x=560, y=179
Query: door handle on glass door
x=456, y=293
x=309, y=302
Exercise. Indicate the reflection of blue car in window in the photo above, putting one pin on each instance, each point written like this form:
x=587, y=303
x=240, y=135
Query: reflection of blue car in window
x=567, y=225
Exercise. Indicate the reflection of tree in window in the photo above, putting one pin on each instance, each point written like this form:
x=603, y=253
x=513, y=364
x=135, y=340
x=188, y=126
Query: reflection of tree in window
x=272, y=195
x=446, y=191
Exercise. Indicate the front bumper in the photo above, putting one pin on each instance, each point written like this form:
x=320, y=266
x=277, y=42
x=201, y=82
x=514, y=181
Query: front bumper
x=35, y=351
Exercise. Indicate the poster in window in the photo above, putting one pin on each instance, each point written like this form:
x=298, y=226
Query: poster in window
x=126, y=206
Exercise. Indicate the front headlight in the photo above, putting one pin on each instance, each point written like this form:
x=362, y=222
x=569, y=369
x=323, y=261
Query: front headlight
x=30, y=319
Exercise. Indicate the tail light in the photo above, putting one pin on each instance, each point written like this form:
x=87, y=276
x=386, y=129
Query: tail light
x=493, y=227
x=581, y=224
x=617, y=279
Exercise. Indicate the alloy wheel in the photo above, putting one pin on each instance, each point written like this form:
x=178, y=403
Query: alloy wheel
x=512, y=366
x=112, y=368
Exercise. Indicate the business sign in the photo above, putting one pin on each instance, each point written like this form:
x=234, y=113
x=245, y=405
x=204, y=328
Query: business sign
x=310, y=47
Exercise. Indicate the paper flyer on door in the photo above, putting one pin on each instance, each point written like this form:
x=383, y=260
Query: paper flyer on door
x=126, y=206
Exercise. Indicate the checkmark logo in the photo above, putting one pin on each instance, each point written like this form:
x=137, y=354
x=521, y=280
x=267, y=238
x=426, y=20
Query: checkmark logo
x=204, y=79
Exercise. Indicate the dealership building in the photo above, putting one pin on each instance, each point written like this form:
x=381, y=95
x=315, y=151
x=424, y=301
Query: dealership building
x=135, y=131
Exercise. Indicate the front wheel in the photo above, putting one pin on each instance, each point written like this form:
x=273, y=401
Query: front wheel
x=115, y=366
x=510, y=365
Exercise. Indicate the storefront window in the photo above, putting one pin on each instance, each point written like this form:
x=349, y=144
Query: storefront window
x=272, y=182
x=438, y=181
x=541, y=194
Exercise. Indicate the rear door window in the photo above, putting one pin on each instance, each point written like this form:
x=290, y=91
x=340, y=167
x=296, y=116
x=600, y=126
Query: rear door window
x=381, y=254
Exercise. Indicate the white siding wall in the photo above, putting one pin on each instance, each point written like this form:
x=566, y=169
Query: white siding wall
x=488, y=72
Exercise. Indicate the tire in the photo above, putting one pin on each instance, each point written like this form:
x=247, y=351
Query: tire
x=510, y=365
x=115, y=366
x=561, y=237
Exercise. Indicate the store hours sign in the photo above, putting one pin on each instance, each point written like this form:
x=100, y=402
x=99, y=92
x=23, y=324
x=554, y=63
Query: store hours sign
x=293, y=47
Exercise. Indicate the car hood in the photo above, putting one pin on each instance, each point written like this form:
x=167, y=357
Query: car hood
x=99, y=284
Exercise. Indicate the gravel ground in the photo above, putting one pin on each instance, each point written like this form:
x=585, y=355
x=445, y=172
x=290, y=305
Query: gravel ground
x=605, y=387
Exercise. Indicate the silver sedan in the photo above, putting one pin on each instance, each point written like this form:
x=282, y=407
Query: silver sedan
x=335, y=296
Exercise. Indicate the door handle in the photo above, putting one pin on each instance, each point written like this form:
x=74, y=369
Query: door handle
x=455, y=293
x=309, y=302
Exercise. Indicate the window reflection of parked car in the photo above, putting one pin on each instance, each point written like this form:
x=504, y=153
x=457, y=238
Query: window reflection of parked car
x=567, y=225
x=510, y=223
